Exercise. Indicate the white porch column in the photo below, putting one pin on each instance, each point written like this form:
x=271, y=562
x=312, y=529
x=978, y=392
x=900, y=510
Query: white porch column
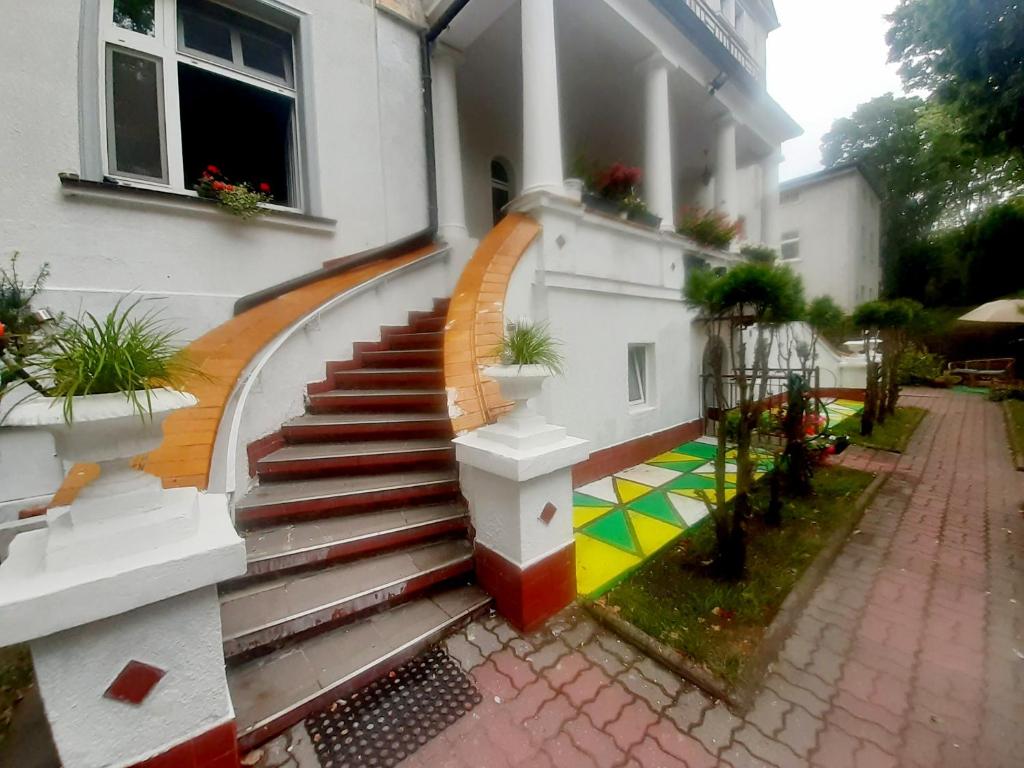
x=658, y=166
x=770, y=201
x=542, y=125
x=451, y=198
x=726, y=194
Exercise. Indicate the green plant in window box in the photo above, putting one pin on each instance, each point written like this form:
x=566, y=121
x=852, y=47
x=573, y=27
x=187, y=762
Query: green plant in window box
x=237, y=199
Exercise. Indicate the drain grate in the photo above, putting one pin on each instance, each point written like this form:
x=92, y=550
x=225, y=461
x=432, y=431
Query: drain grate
x=387, y=721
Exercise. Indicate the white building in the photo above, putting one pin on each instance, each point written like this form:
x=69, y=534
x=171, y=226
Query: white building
x=393, y=135
x=830, y=225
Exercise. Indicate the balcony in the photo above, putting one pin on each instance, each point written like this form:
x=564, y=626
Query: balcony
x=713, y=34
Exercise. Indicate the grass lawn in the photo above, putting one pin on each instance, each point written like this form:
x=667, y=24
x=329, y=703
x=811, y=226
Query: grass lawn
x=1015, y=416
x=15, y=677
x=718, y=624
x=894, y=435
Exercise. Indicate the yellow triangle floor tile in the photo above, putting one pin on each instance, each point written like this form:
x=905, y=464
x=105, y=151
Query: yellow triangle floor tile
x=598, y=563
x=670, y=457
x=695, y=493
x=652, y=534
x=628, y=490
x=583, y=515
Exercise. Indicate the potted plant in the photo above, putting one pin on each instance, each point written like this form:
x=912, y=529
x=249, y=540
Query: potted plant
x=711, y=228
x=527, y=357
x=109, y=384
x=638, y=212
x=237, y=199
x=612, y=187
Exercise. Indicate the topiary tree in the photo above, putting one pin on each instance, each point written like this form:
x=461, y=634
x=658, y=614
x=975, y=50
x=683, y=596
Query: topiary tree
x=750, y=295
x=869, y=318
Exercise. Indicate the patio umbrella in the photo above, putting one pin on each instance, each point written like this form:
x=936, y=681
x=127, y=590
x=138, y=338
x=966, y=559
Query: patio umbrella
x=1001, y=312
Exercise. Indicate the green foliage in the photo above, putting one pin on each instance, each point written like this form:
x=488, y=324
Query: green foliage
x=678, y=599
x=530, y=344
x=970, y=55
x=828, y=319
x=20, y=329
x=759, y=254
x=120, y=353
x=880, y=315
x=239, y=200
x=710, y=228
x=919, y=367
x=15, y=678
x=1012, y=391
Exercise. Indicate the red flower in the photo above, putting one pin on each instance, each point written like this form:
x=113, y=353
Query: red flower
x=264, y=187
x=219, y=186
x=3, y=330
x=230, y=187
x=213, y=169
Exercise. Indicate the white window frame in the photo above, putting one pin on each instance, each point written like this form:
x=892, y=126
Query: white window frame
x=163, y=46
x=790, y=238
x=644, y=375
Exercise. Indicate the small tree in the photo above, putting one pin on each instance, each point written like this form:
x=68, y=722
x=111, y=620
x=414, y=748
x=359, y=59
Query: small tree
x=900, y=316
x=827, y=319
x=749, y=295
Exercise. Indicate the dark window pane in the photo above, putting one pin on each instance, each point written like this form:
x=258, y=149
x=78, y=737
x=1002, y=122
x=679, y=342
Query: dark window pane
x=499, y=199
x=637, y=373
x=499, y=172
x=244, y=130
x=263, y=55
x=135, y=107
x=207, y=35
x=136, y=15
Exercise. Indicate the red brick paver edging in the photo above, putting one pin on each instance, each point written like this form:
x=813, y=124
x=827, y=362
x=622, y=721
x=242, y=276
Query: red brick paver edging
x=909, y=654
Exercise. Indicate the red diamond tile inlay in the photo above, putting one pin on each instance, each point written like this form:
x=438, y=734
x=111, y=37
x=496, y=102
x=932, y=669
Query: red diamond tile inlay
x=548, y=514
x=134, y=683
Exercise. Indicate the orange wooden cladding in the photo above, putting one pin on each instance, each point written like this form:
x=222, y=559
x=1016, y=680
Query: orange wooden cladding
x=476, y=316
x=183, y=459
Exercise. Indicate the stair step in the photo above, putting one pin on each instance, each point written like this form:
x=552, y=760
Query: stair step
x=321, y=427
x=298, y=545
x=431, y=340
x=308, y=498
x=397, y=358
x=429, y=323
x=391, y=378
x=261, y=616
x=338, y=400
x=310, y=459
x=275, y=692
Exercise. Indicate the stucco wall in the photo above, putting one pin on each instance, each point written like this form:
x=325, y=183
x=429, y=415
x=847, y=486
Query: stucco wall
x=370, y=162
x=838, y=222
x=603, y=285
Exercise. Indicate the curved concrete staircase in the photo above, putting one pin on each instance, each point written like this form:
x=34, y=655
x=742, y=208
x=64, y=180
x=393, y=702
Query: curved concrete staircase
x=357, y=536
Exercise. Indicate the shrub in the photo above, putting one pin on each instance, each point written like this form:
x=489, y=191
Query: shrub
x=20, y=326
x=120, y=353
x=619, y=182
x=528, y=344
x=759, y=254
x=919, y=367
x=710, y=228
x=1012, y=391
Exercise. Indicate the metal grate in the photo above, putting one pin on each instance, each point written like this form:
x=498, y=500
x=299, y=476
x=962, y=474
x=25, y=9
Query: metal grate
x=387, y=721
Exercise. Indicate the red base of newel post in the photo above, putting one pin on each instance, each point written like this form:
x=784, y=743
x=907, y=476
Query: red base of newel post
x=217, y=748
x=528, y=596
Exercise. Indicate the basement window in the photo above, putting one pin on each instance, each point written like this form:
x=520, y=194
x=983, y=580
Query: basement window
x=638, y=361
x=194, y=83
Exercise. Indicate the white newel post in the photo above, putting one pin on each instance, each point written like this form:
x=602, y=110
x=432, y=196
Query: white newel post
x=726, y=193
x=451, y=196
x=117, y=598
x=542, y=125
x=770, y=235
x=517, y=478
x=658, y=166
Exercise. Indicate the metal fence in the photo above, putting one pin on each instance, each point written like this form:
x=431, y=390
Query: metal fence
x=776, y=389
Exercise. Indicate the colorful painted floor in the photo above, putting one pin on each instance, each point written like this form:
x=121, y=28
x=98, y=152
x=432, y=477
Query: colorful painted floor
x=623, y=519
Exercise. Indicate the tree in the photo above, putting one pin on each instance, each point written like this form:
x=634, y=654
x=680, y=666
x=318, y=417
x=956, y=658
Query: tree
x=889, y=323
x=970, y=55
x=826, y=318
x=755, y=295
x=869, y=318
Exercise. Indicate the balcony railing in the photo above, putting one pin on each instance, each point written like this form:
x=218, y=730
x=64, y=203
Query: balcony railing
x=727, y=37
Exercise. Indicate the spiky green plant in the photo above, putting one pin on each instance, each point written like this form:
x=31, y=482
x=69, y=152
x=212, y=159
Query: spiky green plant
x=127, y=352
x=528, y=343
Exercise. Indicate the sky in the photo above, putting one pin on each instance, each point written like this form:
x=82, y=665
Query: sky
x=828, y=57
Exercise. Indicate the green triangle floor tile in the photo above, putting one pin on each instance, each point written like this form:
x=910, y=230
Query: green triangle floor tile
x=689, y=482
x=582, y=500
x=614, y=529
x=697, y=450
x=656, y=505
x=680, y=466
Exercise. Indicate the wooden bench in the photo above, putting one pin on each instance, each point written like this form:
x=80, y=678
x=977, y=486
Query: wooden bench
x=986, y=370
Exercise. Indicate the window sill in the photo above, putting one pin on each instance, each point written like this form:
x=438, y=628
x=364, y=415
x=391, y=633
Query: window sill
x=639, y=409
x=108, y=189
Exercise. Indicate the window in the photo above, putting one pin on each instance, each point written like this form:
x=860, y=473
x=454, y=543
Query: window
x=790, y=245
x=501, y=188
x=638, y=360
x=194, y=83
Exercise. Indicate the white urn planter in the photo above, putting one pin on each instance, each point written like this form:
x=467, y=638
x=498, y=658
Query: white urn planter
x=520, y=384
x=124, y=504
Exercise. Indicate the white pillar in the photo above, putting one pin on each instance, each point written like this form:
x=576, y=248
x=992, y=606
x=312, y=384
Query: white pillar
x=726, y=194
x=542, y=126
x=658, y=166
x=770, y=200
x=451, y=198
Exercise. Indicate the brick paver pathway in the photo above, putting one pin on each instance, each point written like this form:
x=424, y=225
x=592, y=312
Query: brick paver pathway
x=909, y=654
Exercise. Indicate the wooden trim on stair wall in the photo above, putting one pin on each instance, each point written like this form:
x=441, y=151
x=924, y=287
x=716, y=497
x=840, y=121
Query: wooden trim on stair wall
x=476, y=317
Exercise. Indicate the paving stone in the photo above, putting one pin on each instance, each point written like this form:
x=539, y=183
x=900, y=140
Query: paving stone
x=586, y=686
x=738, y=756
x=619, y=648
x=611, y=664
x=715, y=731
x=688, y=710
x=763, y=747
x=607, y=705
x=530, y=699
x=769, y=712
x=483, y=638
x=650, y=755
x=597, y=744
x=682, y=746
x=630, y=727
x=580, y=632
x=664, y=678
x=643, y=688
x=514, y=668
x=464, y=652
x=548, y=655
x=800, y=731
